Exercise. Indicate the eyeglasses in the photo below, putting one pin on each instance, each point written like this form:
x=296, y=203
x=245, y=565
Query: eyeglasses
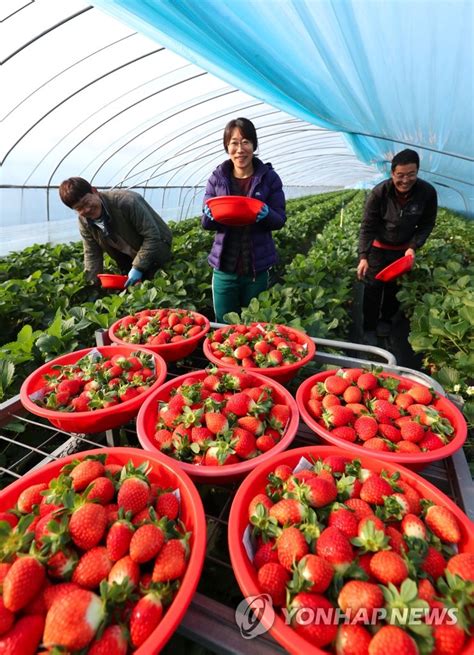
x=245, y=144
x=408, y=176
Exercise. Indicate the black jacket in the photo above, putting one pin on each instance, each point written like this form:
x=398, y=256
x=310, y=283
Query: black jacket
x=387, y=221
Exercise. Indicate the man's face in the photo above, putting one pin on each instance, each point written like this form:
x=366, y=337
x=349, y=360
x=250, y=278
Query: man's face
x=89, y=206
x=404, y=177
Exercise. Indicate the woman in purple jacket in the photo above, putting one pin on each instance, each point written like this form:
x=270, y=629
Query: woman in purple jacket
x=242, y=256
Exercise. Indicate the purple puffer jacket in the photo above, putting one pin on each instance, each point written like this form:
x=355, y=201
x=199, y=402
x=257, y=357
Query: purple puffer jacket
x=267, y=187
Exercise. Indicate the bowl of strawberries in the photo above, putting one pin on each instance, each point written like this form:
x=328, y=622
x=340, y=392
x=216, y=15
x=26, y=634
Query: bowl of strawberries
x=218, y=423
x=172, y=333
x=119, y=542
x=343, y=555
x=397, y=419
x=93, y=389
x=277, y=351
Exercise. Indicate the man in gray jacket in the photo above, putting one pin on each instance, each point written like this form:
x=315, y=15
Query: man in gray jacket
x=121, y=223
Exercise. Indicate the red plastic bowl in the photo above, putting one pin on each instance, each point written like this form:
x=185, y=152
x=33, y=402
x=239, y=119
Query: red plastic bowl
x=396, y=268
x=234, y=210
x=226, y=474
x=416, y=461
x=170, y=352
x=109, y=281
x=166, y=474
x=96, y=420
x=281, y=374
x=255, y=483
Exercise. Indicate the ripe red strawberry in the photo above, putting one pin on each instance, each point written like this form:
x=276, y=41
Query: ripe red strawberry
x=244, y=443
x=118, y=539
x=274, y=358
x=319, y=492
x=357, y=594
x=389, y=432
x=163, y=439
x=351, y=374
x=407, y=447
x=102, y=490
x=85, y=472
x=374, y=489
x=171, y=562
x=55, y=591
x=367, y=381
x=315, y=407
x=241, y=352
x=392, y=639
x=272, y=579
x=404, y=400
x=125, y=568
x=352, y=394
x=146, y=543
x=315, y=574
x=448, y=639
x=23, y=581
x=377, y=444
x=291, y=547
x=266, y=553
x=352, y=640
x=265, y=442
x=167, y=505
x=318, y=633
x=113, y=640
x=337, y=416
x=7, y=618
x=146, y=616
x=24, y=637
x=345, y=432
x=412, y=495
x=279, y=416
x=387, y=566
x=412, y=431
x=360, y=507
x=240, y=404
x=133, y=495
x=62, y=564
x=366, y=427
x=252, y=423
x=384, y=411
x=395, y=540
x=336, y=384
x=335, y=547
x=413, y=526
x=462, y=565
x=382, y=393
x=434, y=563
x=259, y=499
x=93, y=567
x=216, y=422
x=73, y=620
x=345, y=521
x=431, y=441
x=87, y=525
x=426, y=591
x=30, y=497
x=421, y=394
x=288, y=511
x=442, y=522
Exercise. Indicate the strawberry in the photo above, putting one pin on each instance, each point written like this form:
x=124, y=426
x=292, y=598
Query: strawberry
x=337, y=416
x=85, y=472
x=171, y=562
x=87, y=525
x=412, y=431
x=118, y=539
x=392, y=639
x=7, y=618
x=291, y=547
x=23, y=581
x=55, y=591
x=279, y=416
x=319, y=492
x=216, y=422
x=345, y=521
x=375, y=489
x=163, y=439
x=318, y=633
x=288, y=511
x=274, y=358
x=335, y=547
x=314, y=574
x=442, y=522
x=73, y=621
x=146, y=543
x=30, y=497
x=370, y=534
x=412, y=496
x=112, y=640
x=336, y=384
x=448, y=639
x=101, y=490
x=125, y=568
x=387, y=566
x=426, y=591
x=367, y=381
x=360, y=507
x=62, y=564
x=389, y=432
x=259, y=499
x=431, y=441
x=266, y=553
x=24, y=637
x=315, y=407
x=146, y=616
x=345, y=432
x=133, y=494
x=434, y=563
x=167, y=504
x=240, y=404
x=357, y=595
x=352, y=394
x=265, y=442
x=241, y=352
x=366, y=427
x=377, y=444
x=352, y=640
x=421, y=394
x=384, y=411
x=272, y=579
x=404, y=400
x=407, y=447
x=251, y=423
x=395, y=540
x=244, y=443
x=413, y=526
x=92, y=568
x=462, y=565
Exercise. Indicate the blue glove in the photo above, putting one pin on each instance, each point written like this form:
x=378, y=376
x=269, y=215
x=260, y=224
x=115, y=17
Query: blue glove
x=134, y=275
x=208, y=213
x=263, y=213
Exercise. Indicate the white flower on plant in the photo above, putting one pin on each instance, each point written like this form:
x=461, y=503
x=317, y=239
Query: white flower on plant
x=457, y=388
x=470, y=391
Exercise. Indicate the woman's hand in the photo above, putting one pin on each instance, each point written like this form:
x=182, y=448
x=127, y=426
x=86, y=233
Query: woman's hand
x=362, y=268
x=263, y=213
x=208, y=213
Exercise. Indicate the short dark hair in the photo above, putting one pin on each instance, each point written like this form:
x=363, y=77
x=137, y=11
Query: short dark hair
x=72, y=190
x=405, y=157
x=247, y=129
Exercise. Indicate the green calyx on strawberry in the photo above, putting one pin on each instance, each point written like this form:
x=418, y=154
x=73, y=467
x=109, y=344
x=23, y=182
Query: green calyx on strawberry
x=14, y=540
x=396, y=601
x=370, y=539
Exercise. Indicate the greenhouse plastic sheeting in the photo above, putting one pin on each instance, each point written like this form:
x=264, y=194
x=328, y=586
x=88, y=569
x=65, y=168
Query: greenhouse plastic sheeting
x=389, y=74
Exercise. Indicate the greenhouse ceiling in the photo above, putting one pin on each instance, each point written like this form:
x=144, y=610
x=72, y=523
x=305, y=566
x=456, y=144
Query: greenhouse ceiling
x=136, y=94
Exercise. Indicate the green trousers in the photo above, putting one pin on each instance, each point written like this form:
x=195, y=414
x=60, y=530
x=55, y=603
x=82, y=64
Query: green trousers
x=231, y=292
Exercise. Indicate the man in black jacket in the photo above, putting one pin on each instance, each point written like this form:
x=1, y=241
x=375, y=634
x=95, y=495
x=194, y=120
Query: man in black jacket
x=399, y=216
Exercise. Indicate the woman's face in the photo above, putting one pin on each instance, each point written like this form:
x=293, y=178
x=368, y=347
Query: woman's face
x=240, y=150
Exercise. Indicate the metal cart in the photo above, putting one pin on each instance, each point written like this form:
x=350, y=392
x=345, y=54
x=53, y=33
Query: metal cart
x=209, y=625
